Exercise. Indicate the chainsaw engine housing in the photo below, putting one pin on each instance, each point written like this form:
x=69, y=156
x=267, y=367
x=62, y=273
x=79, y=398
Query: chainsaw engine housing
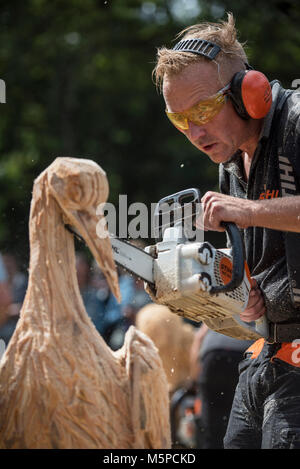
x=186, y=276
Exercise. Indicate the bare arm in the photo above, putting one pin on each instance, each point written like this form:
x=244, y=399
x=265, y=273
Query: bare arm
x=278, y=214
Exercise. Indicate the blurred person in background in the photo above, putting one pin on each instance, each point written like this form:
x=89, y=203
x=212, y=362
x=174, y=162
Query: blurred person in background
x=110, y=318
x=16, y=282
x=5, y=293
x=17, y=279
x=215, y=360
x=94, y=295
x=135, y=301
x=122, y=315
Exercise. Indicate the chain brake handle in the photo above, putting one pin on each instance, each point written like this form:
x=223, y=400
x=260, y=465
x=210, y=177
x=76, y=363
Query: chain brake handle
x=173, y=204
x=193, y=196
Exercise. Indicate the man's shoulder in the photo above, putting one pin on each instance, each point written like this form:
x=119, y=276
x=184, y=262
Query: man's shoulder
x=290, y=131
x=285, y=127
x=291, y=122
x=292, y=108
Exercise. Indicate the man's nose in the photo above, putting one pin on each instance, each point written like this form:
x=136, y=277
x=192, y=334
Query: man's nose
x=195, y=132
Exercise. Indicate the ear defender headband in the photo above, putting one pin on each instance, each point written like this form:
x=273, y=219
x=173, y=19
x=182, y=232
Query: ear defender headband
x=250, y=90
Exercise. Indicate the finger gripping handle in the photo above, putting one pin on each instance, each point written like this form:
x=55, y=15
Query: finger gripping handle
x=238, y=261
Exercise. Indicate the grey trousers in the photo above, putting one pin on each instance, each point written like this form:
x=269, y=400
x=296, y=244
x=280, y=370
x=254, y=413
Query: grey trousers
x=266, y=406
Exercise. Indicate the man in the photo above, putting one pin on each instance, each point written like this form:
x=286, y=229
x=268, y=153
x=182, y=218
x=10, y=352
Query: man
x=227, y=112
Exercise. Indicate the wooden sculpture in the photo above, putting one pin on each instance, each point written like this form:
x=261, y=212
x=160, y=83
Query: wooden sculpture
x=61, y=386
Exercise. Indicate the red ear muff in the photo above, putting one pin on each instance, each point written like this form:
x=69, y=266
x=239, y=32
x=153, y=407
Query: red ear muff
x=251, y=94
x=256, y=94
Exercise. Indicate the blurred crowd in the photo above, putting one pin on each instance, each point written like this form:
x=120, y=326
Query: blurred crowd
x=13, y=286
x=110, y=318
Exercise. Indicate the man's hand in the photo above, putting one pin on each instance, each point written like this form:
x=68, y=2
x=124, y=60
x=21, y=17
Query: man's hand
x=256, y=305
x=280, y=213
x=219, y=207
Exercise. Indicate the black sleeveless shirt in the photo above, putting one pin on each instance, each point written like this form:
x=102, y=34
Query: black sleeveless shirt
x=274, y=172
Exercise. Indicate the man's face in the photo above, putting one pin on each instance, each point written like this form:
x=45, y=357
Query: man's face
x=221, y=137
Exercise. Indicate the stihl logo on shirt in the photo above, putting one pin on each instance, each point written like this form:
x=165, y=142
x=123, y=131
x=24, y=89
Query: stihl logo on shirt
x=269, y=194
x=289, y=189
x=287, y=180
x=287, y=177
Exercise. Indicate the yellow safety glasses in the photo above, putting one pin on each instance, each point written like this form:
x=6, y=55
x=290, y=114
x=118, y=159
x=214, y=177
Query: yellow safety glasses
x=200, y=113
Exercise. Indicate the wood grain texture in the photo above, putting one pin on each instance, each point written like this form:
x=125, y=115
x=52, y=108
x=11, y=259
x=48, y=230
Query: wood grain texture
x=61, y=386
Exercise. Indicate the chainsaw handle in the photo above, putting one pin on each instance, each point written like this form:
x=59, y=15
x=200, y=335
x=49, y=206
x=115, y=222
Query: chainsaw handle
x=173, y=205
x=238, y=259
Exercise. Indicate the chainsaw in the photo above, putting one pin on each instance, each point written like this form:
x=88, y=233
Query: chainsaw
x=194, y=279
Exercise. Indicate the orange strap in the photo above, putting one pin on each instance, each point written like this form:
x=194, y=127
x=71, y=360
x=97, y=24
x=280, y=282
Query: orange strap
x=289, y=352
x=256, y=348
x=197, y=406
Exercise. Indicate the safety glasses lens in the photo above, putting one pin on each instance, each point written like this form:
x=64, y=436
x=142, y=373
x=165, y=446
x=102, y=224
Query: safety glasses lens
x=178, y=120
x=199, y=114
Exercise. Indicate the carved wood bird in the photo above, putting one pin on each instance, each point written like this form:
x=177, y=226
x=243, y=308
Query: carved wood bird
x=61, y=386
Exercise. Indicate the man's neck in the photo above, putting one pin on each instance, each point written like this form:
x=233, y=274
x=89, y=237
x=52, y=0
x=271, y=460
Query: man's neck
x=249, y=146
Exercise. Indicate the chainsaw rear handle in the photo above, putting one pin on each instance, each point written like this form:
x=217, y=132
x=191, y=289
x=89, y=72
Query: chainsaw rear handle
x=238, y=260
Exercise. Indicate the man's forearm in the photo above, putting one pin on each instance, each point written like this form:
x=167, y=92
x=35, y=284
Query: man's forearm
x=278, y=214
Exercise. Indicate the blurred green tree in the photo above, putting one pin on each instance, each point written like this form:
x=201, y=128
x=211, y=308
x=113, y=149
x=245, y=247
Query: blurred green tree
x=78, y=83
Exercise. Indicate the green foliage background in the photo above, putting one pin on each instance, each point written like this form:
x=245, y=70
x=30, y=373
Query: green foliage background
x=78, y=83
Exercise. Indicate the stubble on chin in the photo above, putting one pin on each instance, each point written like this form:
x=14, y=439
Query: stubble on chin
x=218, y=157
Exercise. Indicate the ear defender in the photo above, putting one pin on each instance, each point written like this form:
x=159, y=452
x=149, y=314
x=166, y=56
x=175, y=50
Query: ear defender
x=251, y=94
x=250, y=90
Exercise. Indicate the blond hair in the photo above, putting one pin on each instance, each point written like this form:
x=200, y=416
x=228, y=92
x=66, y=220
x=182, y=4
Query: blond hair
x=224, y=34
